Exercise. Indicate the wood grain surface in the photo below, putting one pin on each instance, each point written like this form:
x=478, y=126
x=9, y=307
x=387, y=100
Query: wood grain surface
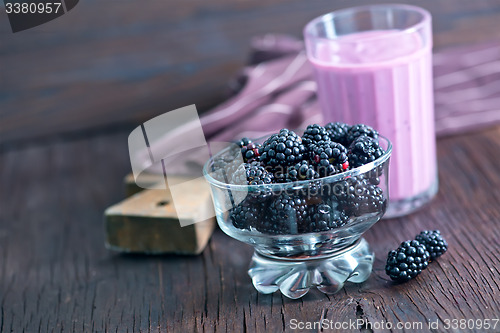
x=56, y=275
x=112, y=63
x=69, y=93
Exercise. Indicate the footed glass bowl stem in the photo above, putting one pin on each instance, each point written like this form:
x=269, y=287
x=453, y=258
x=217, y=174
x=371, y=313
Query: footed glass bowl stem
x=294, y=278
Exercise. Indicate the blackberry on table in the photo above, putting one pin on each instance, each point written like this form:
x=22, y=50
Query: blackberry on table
x=359, y=130
x=314, y=133
x=407, y=261
x=433, y=242
x=363, y=150
x=246, y=215
x=338, y=132
x=250, y=152
x=285, y=215
x=301, y=171
x=358, y=197
x=323, y=217
x=282, y=149
x=328, y=157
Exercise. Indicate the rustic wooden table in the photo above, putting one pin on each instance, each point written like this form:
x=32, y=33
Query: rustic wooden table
x=56, y=275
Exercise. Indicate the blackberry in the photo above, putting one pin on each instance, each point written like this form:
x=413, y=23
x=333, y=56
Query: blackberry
x=313, y=134
x=246, y=215
x=407, y=261
x=224, y=166
x=363, y=150
x=243, y=142
x=302, y=171
x=338, y=219
x=433, y=242
x=280, y=176
x=252, y=174
x=358, y=197
x=330, y=200
x=286, y=214
x=373, y=176
x=328, y=157
x=358, y=130
x=338, y=132
x=323, y=218
x=250, y=152
x=342, y=189
x=282, y=149
x=220, y=162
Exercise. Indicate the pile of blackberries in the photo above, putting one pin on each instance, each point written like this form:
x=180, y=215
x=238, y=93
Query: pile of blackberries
x=411, y=257
x=286, y=157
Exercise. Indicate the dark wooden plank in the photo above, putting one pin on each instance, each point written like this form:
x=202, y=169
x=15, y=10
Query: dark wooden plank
x=56, y=275
x=122, y=62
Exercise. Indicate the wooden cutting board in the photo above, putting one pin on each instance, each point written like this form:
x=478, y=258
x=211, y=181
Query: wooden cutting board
x=147, y=221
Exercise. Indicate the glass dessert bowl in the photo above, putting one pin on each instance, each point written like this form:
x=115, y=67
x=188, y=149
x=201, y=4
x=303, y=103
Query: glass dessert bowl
x=305, y=233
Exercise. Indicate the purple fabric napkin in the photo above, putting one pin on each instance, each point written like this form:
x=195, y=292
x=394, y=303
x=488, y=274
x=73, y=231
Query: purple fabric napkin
x=277, y=90
x=280, y=91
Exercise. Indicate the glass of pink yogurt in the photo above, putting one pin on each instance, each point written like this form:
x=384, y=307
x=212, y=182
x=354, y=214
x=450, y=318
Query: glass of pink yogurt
x=373, y=66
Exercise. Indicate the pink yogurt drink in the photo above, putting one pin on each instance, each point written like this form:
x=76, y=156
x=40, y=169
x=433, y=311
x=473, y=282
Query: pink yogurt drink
x=381, y=76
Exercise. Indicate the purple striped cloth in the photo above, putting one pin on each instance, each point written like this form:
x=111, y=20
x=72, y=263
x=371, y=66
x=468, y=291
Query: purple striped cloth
x=277, y=90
